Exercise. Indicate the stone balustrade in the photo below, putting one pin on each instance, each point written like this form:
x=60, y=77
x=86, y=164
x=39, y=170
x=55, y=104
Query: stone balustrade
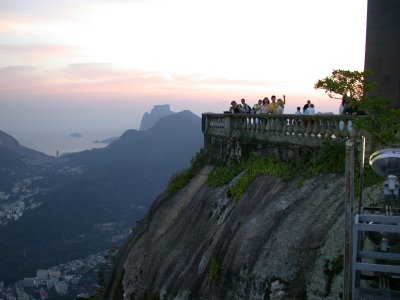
x=307, y=130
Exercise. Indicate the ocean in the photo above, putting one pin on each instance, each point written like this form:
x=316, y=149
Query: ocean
x=54, y=143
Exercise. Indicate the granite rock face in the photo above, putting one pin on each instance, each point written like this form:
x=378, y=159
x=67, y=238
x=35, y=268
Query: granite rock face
x=157, y=112
x=277, y=242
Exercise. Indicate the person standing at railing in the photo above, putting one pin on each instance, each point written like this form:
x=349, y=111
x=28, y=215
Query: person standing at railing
x=310, y=110
x=245, y=107
x=297, y=113
x=342, y=107
x=264, y=107
x=257, y=107
x=273, y=105
x=234, y=109
x=352, y=110
x=281, y=105
x=306, y=106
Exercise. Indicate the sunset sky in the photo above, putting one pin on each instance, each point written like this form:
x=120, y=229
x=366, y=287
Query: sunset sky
x=100, y=64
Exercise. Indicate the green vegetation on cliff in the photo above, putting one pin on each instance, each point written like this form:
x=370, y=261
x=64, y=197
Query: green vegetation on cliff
x=329, y=159
x=179, y=180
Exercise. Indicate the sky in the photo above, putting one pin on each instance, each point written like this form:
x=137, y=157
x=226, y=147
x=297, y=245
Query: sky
x=99, y=65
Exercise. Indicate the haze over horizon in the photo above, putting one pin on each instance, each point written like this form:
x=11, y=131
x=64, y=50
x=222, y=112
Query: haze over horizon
x=97, y=66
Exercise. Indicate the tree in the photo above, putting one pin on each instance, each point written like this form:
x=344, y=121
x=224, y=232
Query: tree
x=351, y=84
x=381, y=121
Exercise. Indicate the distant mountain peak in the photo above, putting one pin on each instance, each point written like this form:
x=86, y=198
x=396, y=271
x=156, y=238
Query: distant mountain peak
x=11, y=150
x=7, y=140
x=157, y=112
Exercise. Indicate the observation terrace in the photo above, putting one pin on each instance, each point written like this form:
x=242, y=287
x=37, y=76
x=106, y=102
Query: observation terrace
x=229, y=133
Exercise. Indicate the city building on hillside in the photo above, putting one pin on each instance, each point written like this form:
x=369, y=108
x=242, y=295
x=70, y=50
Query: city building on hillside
x=61, y=287
x=3, y=215
x=42, y=274
x=29, y=282
x=50, y=283
x=54, y=273
x=23, y=296
x=4, y=196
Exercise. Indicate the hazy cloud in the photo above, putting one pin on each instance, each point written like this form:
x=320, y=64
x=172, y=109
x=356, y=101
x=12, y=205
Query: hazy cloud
x=100, y=79
x=37, y=53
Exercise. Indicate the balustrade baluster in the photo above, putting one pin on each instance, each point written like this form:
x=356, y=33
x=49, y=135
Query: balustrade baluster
x=272, y=125
x=278, y=127
x=265, y=125
x=254, y=124
x=315, y=129
x=268, y=126
x=353, y=133
x=308, y=129
x=290, y=126
x=247, y=120
x=284, y=126
x=243, y=125
x=297, y=129
x=329, y=128
x=337, y=132
x=322, y=129
x=258, y=125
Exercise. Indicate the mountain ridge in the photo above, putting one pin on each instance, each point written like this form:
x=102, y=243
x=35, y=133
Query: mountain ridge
x=112, y=184
x=10, y=147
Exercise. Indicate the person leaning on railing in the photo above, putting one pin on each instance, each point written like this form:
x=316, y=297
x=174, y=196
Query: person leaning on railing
x=276, y=107
x=234, y=109
x=245, y=107
x=257, y=107
x=264, y=107
x=273, y=105
x=280, y=108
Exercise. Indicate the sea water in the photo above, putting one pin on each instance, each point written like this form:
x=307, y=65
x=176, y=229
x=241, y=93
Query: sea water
x=62, y=142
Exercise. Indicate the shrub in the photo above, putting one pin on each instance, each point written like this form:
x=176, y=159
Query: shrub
x=181, y=179
x=214, y=271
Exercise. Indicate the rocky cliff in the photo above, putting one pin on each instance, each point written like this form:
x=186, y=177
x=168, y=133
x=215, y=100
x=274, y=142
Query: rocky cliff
x=278, y=242
x=157, y=112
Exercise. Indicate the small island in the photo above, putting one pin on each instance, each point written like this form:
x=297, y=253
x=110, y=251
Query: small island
x=106, y=141
x=75, y=135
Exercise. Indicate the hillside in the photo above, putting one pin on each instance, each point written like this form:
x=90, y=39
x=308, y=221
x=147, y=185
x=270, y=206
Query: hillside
x=12, y=154
x=84, y=191
x=278, y=242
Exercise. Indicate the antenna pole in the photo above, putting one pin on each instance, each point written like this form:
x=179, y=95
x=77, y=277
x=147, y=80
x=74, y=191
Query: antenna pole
x=362, y=161
x=348, y=210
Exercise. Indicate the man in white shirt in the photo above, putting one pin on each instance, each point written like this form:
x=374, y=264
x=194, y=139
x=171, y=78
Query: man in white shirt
x=245, y=107
x=310, y=110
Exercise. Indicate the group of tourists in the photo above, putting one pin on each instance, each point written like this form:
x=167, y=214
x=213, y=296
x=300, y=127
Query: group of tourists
x=265, y=106
x=308, y=109
x=348, y=107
